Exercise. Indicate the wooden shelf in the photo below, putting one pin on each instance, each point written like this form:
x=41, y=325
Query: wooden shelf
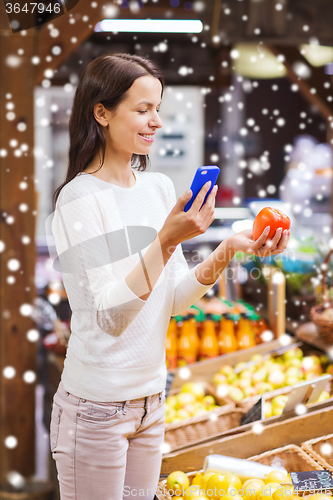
x=309, y=333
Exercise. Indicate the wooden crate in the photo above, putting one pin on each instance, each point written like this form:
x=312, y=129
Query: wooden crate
x=292, y=458
x=212, y=423
x=278, y=434
x=204, y=371
x=314, y=447
x=201, y=428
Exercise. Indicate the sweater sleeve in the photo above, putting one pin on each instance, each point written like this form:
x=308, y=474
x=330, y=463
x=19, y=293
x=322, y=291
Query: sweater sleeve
x=87, y=251
x=188, y=289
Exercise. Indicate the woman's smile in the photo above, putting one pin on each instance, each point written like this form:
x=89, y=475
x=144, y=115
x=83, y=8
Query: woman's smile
x=147, y=137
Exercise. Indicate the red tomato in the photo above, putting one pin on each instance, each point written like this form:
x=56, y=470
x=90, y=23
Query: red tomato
x=270, y=217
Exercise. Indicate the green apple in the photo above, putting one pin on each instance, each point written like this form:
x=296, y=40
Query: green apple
x=275, y=367
x=208, y=401
x=195, y=389
x=277, y=411
x=279, y=401
x=172, y=401
x=293, y=362
x=246, y=374
x=264, y=387
x=277, y=379
x=268, y=409
x=182, y=414
x=259, y=376
x=231, y=378
x=292, y=380
x=294, y=372
x=293, y=353
x=219, y=378
x=243, y=383
x=308, y=364
x=223, y=390
x=249, y=392
x=170, y=414
x=323, y=396
x=226, y=369
x=236, y=394
x=184, y=398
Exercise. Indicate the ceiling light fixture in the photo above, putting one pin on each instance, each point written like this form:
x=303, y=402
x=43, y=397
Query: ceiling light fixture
x=149, y=26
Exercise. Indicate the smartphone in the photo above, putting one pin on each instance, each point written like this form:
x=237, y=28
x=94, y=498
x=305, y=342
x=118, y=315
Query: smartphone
x=202, y=175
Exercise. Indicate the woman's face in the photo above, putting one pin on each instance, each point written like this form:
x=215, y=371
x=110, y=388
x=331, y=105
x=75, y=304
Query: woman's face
x=135, y=117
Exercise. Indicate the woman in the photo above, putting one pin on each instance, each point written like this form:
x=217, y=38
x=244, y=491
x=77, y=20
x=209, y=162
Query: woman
x=117, y=235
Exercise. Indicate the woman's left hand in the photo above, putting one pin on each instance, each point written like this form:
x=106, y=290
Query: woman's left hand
x=263, y=247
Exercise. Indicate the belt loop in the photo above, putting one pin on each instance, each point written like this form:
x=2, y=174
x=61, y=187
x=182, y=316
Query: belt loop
x=124, y=407
x=160, y=396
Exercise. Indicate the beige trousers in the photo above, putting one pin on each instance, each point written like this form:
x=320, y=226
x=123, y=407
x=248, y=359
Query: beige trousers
x=107, y=451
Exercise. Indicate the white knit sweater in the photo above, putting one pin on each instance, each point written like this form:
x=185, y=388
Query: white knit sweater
x=116, y=349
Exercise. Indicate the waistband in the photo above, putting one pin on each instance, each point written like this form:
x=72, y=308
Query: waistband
x=140, y=402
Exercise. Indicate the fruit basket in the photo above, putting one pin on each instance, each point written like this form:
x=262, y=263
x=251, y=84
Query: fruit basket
x=267, y=376
x=202, y=427
x=321, y=450
x=210, y=423
x=322, y=314
x=291, y=457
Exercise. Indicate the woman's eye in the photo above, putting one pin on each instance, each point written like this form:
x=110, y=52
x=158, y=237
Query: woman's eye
x=142, y=112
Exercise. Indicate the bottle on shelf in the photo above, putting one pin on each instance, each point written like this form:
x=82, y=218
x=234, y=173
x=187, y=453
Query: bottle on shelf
x=186, y=351
x=245, y=335
x=209, y=346
x=194, y=337
x=259, y=325
x=171, y=345
x=227, y=338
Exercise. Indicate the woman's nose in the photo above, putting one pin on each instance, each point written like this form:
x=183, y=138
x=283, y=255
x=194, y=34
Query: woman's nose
x=156, y=122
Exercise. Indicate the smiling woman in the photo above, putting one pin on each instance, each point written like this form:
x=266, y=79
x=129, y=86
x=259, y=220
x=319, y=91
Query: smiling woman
x=112, y=103
x=108, y=412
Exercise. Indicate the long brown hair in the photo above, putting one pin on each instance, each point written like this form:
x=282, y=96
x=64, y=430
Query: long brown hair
x=106, y=79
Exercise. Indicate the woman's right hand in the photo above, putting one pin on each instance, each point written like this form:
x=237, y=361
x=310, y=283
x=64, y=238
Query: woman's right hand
x=180, y=226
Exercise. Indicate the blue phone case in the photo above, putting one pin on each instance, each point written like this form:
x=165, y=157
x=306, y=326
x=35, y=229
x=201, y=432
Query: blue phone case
x=202, y=175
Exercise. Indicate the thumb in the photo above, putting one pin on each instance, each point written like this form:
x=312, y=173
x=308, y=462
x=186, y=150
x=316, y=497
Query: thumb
x=185, y=197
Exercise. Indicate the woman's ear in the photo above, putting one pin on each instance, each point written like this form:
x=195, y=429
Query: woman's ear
x=100, y=115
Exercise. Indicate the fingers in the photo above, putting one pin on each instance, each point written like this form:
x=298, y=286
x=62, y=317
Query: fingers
x=263, y=237
x=210, y=202
x=184, y=199
x=275, y=240
x=282, y=245
x=196, y=205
